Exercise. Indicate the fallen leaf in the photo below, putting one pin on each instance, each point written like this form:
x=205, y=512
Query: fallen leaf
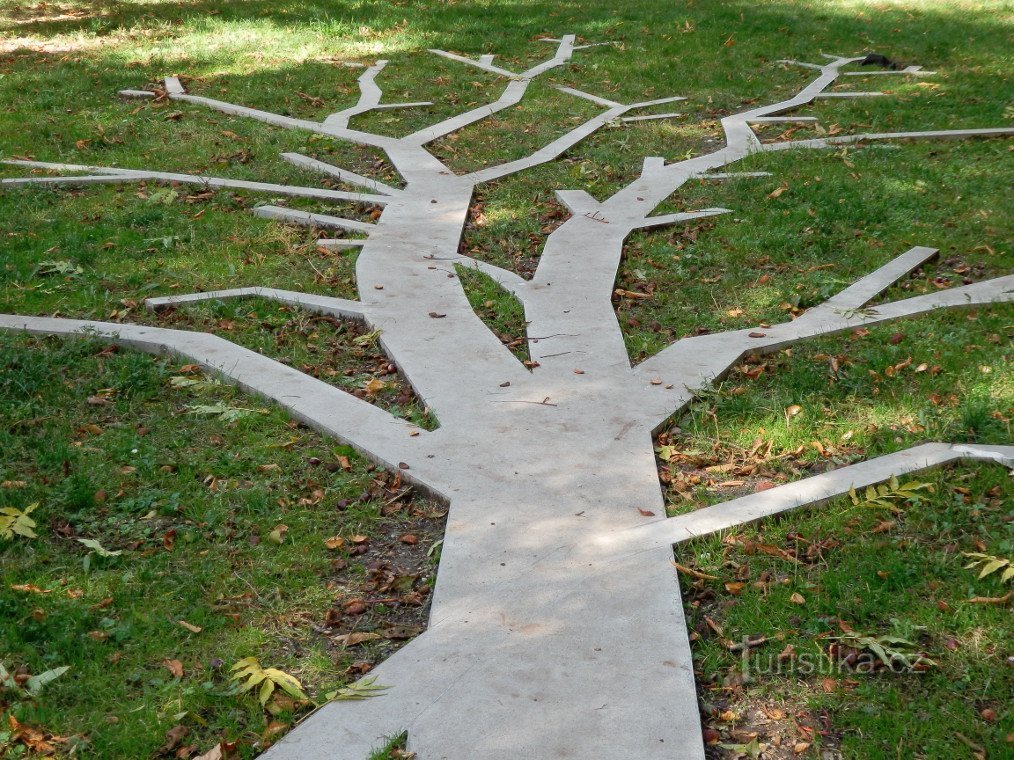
x=30, y=588
x=991, y=599
x=335, y=542
x=189, y=626
x=173, y=666
x=694, y=573
x=173, y=737
x=797, y=598
x=778, y=191
x=277, y=536
x=215, y=753
x=352, y=639
x=646, y=512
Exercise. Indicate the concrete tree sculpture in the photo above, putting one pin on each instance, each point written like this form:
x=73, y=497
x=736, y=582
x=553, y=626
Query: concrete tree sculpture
x=556, y=627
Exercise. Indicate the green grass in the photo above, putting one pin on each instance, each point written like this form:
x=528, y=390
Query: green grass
x=865, y=570
x=843, y=213
x=107, y=446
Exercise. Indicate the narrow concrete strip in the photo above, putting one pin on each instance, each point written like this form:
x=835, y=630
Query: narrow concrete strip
x=509, y=281
x=292, y=216
x=141, y=175
x=335, y=307
x=872, y=285
x=173, y=86
x=577, y=201
x=780, y=119
x=588, y=96
x=551, y=151
x=652, y=117
x=731, y=175
x=849, y=94
x=340, y=243
x=910, y=70
x=662, y=221
x=819, y=488
x=369, y=99
x=378, y=434
x=484, y=64
x=94, y=179
x=937, y=134
x=807, y=492
x=345, y=175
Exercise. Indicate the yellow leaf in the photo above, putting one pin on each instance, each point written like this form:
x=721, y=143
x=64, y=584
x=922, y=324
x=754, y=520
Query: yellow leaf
x=265, y=694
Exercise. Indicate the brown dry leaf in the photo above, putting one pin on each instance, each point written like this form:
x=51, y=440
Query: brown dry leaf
x=374, y=386
x=352, y=639
x=646, y=512
x=169, y=540
x=792, y=410
x=800, y=747
x=30, y=588
x=335, y=542
x=797, y=598
x=173, y=737
x=991, y=599
x=400, y=632
x=714, y=627
x=215, y=753
x=34, y=739
x=277, y=536
x=631, y=294
x=735, y=588
x=694, y=573
x=189, y=626
x=173, y=666
x=778, y=191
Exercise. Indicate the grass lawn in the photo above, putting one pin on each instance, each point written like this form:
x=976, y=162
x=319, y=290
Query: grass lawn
x=211, y=511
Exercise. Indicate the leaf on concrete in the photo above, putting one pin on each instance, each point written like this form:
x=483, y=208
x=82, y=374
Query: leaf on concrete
x=364, y=689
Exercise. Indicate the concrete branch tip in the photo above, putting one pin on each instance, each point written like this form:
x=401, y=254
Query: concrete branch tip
x=549, y=569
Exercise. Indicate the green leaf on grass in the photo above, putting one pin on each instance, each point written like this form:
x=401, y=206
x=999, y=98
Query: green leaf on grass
x=98, y=548
x=17, y=522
